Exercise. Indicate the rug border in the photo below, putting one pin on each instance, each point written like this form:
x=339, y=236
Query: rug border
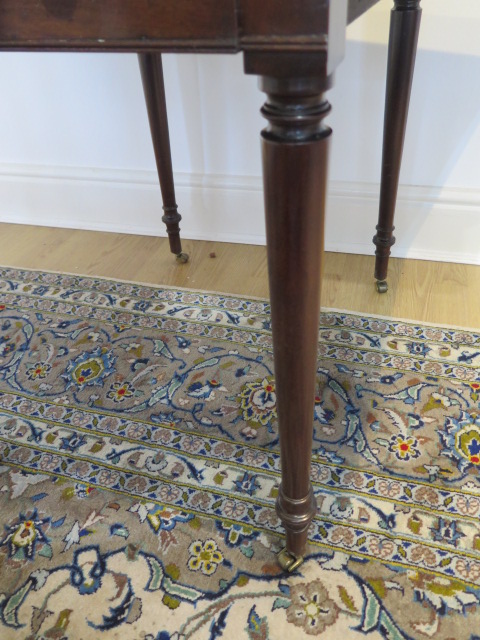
x=439, y=325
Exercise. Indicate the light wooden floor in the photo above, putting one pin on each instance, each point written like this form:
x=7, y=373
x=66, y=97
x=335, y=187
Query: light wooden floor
x=424, y=291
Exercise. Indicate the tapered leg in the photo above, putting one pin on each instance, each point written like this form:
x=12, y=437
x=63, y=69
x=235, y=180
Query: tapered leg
x=154, y=89
x=295, y=147
x=404, y=29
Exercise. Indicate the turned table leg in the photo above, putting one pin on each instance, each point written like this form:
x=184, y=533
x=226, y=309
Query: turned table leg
x=154, y=89
x=404, y=29
x=295, y=148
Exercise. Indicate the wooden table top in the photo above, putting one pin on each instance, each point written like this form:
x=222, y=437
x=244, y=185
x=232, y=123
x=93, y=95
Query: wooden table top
x=172, y=25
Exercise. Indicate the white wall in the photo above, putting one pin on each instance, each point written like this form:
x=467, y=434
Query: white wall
x=75, y=148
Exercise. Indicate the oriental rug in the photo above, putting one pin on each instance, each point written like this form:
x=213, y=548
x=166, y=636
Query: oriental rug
x=139, y=468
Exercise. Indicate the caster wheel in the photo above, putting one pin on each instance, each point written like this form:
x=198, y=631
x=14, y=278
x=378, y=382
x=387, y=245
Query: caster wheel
x=289, y=562
x=382, y=286
x=182, y=258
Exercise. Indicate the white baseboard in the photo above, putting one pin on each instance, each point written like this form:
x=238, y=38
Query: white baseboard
x=431, y=223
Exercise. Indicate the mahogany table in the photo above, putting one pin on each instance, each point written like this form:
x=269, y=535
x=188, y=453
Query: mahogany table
x=404, y=28
x=294, y=47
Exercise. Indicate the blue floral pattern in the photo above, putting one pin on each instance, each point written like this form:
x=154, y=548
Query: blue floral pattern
x=139, y=467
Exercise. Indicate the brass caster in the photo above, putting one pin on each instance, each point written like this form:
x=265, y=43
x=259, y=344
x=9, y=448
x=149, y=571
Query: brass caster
x=288, y=561
x=182, y=258
x=382, y=286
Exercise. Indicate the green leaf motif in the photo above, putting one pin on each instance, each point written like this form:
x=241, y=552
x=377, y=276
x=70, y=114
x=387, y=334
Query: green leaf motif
x=338, y=389
x=371, y=611
x=281, y=603
x=186, y=593
x=12, y=605
x=347, y=599
x=206, y=363
x=46, y=551
x=156, y=574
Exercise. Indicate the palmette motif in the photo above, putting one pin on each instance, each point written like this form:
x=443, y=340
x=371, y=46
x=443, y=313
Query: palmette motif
x=139, y=468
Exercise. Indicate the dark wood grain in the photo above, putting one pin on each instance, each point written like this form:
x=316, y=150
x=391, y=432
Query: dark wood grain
x=294, y=25
x=209, y=25
x=169, y=25
x=295, y=147
x=151, y=69
x=404, y=29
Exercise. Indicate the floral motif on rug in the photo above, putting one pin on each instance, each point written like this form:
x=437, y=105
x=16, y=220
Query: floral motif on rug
x=139, y=466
